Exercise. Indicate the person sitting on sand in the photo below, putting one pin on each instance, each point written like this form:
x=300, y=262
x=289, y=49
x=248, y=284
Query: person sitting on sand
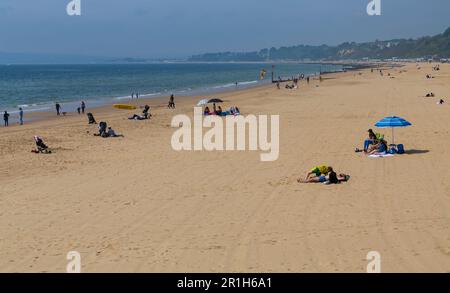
x=41, y=147
x=207, y=112
x=372, y=140
x=102, y=126
x=318, y=171
x=146, y=112
x=380, y=148
x=235, y=111
x=91, y=118
x=441, y=102
x=219, y=111
x=331, y=178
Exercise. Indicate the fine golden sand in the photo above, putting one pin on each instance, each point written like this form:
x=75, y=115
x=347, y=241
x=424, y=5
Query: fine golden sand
x=134, y=205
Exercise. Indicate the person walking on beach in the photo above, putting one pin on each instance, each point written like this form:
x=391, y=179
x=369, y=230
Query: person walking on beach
x=21, y=116
x=171, y=102
x=83, y=107
x=307, y=79
x=132, y=95
x=6, y=118
x=58, y=109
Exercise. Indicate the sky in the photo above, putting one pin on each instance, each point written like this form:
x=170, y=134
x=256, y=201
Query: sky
x=180, y=28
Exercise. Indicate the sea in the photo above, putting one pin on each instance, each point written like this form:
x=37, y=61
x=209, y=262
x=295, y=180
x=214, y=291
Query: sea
x=39, y=87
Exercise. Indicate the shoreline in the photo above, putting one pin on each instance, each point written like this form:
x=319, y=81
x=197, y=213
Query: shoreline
x=100, y=104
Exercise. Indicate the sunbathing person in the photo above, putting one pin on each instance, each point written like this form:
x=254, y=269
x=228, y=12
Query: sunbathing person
x=138, y=117
x=145, y=114
x=41, y=147
x=331, y=178
x=207, y=112
x=318, y=171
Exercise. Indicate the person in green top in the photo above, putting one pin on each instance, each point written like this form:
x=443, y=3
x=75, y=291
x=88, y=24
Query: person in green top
x=319, y=171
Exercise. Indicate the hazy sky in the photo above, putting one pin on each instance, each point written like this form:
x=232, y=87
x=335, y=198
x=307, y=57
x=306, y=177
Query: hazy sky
x=178, y=28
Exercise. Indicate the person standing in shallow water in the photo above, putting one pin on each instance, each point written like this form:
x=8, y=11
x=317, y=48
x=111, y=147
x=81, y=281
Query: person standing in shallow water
x=83, y=107
x=6, y=118
x=21, y=116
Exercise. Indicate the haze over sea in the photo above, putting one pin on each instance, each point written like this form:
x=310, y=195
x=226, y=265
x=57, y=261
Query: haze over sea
x=38, y=87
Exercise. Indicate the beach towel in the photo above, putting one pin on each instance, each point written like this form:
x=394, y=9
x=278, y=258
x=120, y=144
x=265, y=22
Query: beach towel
x=381, y=156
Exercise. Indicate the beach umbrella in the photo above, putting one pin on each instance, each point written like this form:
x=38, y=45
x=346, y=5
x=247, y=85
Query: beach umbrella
x=215, y=101
x=392, y=122
x=202, y=102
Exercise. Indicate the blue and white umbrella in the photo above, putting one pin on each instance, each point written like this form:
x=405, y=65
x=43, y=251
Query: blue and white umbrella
x=392, y=122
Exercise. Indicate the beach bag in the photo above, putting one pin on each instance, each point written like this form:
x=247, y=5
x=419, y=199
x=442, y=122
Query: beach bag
x=400, y=149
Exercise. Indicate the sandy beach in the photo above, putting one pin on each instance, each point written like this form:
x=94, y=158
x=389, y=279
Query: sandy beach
x=133, y=204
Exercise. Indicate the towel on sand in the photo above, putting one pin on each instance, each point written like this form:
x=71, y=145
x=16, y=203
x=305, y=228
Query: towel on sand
x=381, y=156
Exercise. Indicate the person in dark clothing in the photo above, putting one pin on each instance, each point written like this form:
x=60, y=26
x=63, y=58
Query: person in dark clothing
x=6, y=118
x=58, y=109
x=83, y=106
x=91, y=118
x=171, y=102
x=41, y=147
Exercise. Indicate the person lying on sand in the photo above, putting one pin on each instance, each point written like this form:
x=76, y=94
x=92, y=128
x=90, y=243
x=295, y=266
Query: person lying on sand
x=331, y=178
x=145, y=114
x=430, y=95
x=41, y=147
x=318, y=171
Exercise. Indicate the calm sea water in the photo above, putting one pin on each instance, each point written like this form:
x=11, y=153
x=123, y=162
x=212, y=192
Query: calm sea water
x=38, y=87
